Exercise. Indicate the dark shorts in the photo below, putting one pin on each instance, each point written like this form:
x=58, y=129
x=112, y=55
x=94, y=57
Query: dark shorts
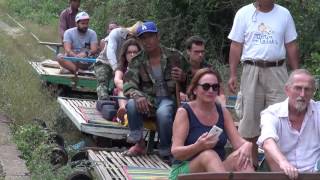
x=83, y=65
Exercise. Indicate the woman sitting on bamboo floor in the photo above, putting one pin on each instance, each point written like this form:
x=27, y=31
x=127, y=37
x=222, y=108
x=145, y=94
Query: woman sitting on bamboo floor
x=129, y=49
x=194, y=149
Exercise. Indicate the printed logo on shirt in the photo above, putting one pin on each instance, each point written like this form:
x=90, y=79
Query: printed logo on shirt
x=87, y=45
x=264, y=35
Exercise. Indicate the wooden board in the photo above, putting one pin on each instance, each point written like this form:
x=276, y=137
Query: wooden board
x=52, y=75
x=110, y=164
x=72, y=108
x=247, y=176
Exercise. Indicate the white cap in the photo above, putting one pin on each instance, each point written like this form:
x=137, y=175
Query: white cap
x=82, y=16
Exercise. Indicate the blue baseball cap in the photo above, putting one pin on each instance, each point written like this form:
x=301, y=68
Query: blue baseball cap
x=148, y=26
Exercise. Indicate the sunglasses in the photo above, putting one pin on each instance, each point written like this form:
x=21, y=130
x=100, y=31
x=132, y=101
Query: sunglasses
x=206, y=86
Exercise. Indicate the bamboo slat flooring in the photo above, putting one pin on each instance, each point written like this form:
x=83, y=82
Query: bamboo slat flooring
x=110, y=164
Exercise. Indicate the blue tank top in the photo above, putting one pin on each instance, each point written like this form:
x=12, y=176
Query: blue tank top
x=196, y=129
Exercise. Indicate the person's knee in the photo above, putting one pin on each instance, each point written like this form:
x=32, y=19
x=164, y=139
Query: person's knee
x=60, y=60
x=209, y=154
x=165, y=112
x=165, y=118
x=59, y=57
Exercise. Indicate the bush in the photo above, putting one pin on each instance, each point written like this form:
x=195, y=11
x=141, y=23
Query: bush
x=32, y=141
x=306, y=16
x=40, y=11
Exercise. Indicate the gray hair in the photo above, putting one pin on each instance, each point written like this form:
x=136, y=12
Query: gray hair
x=301, y=71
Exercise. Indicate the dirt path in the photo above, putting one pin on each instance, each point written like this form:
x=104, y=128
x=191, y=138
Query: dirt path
x=11, y=166
x=10, y=31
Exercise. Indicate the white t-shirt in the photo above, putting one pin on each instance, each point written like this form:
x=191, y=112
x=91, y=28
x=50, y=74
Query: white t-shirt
x=263, y=34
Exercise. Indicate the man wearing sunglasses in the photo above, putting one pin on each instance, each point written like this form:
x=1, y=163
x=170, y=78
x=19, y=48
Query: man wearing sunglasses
x=150, y=83
x=262, y=34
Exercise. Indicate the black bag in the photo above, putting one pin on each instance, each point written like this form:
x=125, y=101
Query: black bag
x=107, y=108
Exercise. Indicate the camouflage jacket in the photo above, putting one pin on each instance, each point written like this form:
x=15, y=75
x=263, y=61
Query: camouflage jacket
x=138, y=81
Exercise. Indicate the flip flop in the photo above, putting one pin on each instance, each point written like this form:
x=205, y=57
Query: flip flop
x=135, y=150
x=121, y=112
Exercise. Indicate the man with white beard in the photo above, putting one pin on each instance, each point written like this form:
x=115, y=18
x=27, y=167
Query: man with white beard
x=290, y=130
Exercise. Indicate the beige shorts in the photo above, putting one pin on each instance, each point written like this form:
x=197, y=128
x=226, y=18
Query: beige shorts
x=260, y=87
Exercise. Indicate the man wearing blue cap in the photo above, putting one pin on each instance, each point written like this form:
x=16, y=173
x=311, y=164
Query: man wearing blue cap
x=150, y=83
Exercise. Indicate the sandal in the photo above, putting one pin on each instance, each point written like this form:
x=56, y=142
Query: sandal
x=120, y=113
x=135, y=150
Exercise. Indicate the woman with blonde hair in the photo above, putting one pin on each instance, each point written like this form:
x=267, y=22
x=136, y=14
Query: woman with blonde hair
x=193, y=147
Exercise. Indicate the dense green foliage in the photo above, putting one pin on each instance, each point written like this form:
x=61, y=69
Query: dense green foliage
x=22, y=98
x=32, y=141
x=306, y=15
x=42, y=11
x=178, y=20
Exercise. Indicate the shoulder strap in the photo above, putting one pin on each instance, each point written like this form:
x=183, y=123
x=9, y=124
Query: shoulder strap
x=221, y=117
x=187, y=107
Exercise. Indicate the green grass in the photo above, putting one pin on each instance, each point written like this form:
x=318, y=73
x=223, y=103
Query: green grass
x=22, y=96
x=32, y=141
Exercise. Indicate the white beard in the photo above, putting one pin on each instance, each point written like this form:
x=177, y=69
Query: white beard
x=301, y=105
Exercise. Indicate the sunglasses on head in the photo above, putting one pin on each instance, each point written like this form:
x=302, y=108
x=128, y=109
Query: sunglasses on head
x=206, y=86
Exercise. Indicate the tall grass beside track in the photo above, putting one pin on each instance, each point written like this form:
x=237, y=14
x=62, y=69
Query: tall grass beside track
x=23, y=98
x=21, y=95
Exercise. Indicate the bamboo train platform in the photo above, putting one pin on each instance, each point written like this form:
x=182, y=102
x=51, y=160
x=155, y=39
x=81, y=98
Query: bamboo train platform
x=113, y=165
x=49, y=73
x=83, y=114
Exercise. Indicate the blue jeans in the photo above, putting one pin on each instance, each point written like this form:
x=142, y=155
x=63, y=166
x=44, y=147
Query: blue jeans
x=164, y=116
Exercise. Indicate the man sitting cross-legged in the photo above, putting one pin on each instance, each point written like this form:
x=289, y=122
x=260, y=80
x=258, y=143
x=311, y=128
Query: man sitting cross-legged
x=79, y=42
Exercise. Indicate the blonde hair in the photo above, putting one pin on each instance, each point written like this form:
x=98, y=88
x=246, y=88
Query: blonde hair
x=133, y=29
